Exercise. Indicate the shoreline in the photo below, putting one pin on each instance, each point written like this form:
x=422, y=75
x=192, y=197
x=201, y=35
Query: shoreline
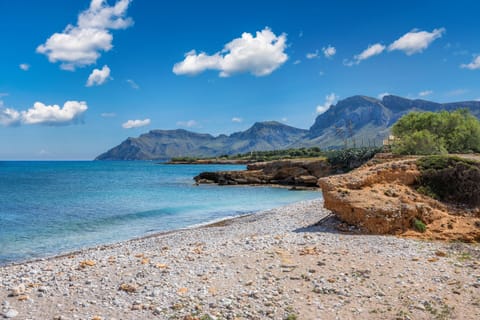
x=207, y=224
x=284, y=262
x=102, y=247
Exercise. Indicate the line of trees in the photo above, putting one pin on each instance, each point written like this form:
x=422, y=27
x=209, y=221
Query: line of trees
x=427, y=133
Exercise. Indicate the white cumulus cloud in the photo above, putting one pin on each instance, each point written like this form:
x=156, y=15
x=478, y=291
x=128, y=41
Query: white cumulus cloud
x=475, y=64
x=259, y=55
x=425, y=93
x=24, y=66
x=54, y=114
x=8, y=116
x=416, y=41
x=51, y=115
x=82, y=44
x=329, y=101
x=98, y=76
x=237, y=119
x=372, y=50
x=135, y=123
x=329, y=51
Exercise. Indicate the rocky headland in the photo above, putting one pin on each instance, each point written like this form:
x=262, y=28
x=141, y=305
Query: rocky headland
x=381, y=197
x=294, y=173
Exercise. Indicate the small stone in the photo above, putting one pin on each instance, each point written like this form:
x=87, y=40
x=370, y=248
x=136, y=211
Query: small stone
x=23, y=297
x=17, y=291
x=182, y=291
x=12, y=313
x=42, y=289
x=440, y=253
x=127, y=288
x=420, y=307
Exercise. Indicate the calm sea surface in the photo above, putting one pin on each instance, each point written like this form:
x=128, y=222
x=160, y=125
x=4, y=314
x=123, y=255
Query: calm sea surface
x=51, y=207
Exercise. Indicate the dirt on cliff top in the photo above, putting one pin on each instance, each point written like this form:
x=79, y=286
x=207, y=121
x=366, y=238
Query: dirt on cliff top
x=380, y=198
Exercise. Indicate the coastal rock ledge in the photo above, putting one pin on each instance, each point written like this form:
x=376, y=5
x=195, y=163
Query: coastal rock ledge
x=298, y=172
x=380, y=198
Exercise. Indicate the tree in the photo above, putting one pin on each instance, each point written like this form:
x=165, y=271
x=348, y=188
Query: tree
x=437, y=133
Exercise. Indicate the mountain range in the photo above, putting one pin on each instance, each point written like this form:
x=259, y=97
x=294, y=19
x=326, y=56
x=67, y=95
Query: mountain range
x=354, y=121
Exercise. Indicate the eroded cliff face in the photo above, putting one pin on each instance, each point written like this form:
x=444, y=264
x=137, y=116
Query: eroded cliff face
x=380, y=198
x=304, y=173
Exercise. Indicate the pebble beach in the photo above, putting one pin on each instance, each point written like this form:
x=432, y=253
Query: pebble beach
x=290, y=263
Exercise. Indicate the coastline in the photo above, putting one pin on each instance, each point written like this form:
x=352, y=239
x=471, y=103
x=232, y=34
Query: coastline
x=271, y=264
x=106, y=246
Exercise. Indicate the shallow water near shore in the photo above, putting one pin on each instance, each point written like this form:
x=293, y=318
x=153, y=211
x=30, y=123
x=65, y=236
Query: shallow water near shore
x=47, y=208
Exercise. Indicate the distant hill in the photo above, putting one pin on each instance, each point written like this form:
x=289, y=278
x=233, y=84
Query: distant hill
x=360, y=119
x=165, y=144
x=368, y=120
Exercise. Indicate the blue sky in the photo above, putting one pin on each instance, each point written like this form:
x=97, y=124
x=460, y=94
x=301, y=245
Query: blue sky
x=78, y=77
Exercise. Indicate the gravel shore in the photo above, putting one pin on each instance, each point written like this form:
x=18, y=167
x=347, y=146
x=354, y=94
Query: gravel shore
x=285, y=263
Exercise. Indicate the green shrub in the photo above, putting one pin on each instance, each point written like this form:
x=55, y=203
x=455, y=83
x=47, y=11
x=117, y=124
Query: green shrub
x=451, y=179
x=419, y=225
x=437, y=133
x=419, y=142
x=349, y=159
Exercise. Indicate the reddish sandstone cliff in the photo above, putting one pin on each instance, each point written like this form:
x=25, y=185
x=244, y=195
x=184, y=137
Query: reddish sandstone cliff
x=380, y=198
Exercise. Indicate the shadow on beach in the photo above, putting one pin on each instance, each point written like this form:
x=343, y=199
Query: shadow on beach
x=330, y=224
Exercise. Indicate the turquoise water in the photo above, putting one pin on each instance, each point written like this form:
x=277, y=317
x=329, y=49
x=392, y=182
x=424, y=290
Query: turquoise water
x=51, y=207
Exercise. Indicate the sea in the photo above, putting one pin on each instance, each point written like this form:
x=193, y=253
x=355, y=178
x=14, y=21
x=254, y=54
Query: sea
x=53, y=207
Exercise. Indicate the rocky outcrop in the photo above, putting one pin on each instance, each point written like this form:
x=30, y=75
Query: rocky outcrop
x=304, y=173
x=380, y=198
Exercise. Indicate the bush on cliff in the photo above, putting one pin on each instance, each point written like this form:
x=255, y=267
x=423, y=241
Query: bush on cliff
x=451, y=179
x=437, y=133
x=349, y=159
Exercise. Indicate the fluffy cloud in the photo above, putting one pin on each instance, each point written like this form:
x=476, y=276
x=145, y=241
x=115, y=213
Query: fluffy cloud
x=136, y=123
x=312, y=55
x=329, y=51
x=188, y=124
x=297, y=62
x=237, y=119
x=51, y=115
x=54, y=114
x=98, y=76
x=9, y=117
x=475, y=64
x=133, y=84
x=425, y=93
x=416, y=41
x=372, y=50
x=259, y=55
x=102, y=16
x=329, y=101
x=24, y=66
x=81, y=45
